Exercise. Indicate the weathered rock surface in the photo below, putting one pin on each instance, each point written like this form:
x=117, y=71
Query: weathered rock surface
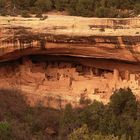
x=69, y=56
x=63, y=35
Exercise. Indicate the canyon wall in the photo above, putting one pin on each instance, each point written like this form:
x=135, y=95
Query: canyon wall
x=55, y=61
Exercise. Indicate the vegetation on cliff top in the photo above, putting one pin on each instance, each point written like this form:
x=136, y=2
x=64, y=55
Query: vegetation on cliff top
x=88, y=8
x=118, y=120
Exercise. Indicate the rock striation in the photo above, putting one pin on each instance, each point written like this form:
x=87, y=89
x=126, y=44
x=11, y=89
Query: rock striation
x=57, y=60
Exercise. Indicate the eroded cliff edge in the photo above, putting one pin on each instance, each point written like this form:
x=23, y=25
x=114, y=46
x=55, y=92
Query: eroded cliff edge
x=62, y=57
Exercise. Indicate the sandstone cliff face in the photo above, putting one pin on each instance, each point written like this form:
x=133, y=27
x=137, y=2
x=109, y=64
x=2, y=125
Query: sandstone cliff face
x=56, y=60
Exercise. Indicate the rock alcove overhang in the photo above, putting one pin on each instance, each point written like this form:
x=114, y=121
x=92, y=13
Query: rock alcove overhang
x=99, y=63
x=117, y=46
x=123, y=48
x=103, y=52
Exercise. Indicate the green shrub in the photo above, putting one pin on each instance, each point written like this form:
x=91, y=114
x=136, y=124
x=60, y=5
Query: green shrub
x=5, y=131
x=44, y=5
x=102, y=12
x=80, y=134
x=3, y=13
x=88, y=8
x=61, y=5
x=84, y=101
x=25, y=14
x=137, y=8
x=123, y=101
x=2, y=3
x=123, y=14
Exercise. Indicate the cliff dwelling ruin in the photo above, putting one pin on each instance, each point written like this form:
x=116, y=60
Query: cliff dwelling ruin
x=55, y=66
x=65, y=79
